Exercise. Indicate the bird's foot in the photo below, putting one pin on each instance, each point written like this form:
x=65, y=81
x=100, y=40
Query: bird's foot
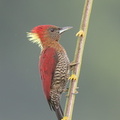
x=73, y=77
x=65, y=118
x=80, y=33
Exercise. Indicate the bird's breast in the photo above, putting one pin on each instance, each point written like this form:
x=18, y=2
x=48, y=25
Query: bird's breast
x=62, y=70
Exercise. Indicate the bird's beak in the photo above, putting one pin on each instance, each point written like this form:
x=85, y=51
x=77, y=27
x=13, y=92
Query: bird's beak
x=63, y=29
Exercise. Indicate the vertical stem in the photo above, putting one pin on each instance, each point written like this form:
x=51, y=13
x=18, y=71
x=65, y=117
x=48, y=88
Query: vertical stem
x=78, y=58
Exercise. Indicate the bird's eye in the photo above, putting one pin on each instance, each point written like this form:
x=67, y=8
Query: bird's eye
x=52, y=30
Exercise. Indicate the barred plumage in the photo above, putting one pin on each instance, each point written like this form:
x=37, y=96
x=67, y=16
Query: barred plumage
x=53, y=63
x=59, y=82
x=60, y=77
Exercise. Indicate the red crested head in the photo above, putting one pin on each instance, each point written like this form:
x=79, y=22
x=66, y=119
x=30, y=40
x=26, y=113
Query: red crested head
x=46, y=33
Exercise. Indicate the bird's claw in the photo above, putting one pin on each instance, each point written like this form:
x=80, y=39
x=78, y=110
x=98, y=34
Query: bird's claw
x=73, y=77
x=80, y=33
x=65, y=118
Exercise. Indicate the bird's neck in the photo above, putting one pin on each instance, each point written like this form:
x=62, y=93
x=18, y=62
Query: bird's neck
x=54, y=44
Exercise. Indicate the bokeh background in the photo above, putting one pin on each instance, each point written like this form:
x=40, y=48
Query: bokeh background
x=21, y=96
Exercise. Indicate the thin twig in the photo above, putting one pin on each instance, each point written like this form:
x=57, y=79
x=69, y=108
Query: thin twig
x=78, y=58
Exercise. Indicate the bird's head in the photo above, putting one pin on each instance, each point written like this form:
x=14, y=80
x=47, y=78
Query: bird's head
x=44, y=33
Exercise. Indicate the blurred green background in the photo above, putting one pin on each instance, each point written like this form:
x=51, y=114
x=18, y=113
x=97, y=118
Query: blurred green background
x=21, y=96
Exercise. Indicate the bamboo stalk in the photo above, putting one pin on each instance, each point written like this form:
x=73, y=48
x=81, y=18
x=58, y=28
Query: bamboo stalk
x=78, y=58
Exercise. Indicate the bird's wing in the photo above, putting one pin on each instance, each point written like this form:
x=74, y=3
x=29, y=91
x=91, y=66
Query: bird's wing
x=47, y=65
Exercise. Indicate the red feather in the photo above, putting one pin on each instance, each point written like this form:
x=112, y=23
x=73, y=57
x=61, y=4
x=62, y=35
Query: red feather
x=47, y=65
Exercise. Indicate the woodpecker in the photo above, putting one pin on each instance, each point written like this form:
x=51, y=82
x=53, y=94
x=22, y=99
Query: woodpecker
x=53, y=65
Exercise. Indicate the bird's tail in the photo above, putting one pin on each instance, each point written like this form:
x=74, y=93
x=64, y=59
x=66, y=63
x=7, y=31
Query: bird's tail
x=59, y=112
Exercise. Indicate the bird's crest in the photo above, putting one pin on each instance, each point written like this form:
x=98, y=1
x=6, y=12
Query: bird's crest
x=33, y=37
